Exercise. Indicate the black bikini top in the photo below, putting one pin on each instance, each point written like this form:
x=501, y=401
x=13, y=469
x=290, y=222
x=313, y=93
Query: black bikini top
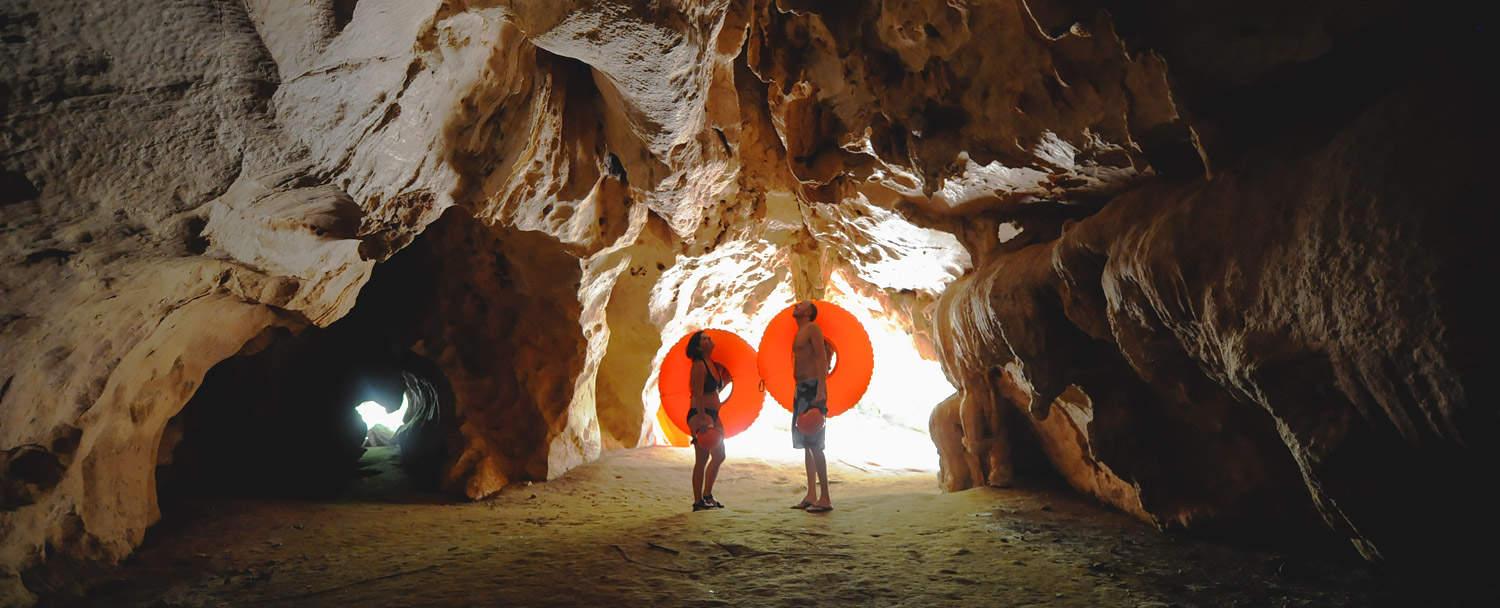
x=710, y=383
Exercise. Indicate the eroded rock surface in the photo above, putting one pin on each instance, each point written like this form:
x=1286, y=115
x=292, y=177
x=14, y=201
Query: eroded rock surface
x=1198, y=338
x=1210, y=264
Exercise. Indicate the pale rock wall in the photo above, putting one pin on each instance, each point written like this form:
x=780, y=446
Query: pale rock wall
x=1176, y=260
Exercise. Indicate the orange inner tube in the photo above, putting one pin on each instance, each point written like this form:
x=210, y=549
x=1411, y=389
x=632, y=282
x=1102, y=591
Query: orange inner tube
x=852, y=368
x=745, y=399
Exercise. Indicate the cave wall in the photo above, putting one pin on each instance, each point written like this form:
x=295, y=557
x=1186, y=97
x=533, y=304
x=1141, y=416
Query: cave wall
x=1211, y=258
x=170, y=195
x=1210, y=352
x=1330, y=299
x=115, y=303
x=504, y=329
x=959, y=107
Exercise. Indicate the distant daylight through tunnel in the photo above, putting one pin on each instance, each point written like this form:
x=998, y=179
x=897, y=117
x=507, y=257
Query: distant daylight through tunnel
x=745, y=303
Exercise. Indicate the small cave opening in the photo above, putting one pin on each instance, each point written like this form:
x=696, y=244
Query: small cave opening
x=350, y=410
x=304, y=416
x=381, y=423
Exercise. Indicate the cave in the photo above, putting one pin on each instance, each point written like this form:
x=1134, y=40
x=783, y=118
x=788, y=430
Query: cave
x=349, y=302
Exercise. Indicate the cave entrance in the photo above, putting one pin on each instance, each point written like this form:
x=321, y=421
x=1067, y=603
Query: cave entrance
x=311, y=413
x=887, y=429
x=382, y=424
x=299, y=415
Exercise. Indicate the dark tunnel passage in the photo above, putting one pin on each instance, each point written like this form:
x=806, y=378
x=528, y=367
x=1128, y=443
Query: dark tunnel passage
x=449, y=312
x=279, y=418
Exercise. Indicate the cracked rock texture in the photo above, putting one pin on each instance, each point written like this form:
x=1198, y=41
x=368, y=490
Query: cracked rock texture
x=1211, y=264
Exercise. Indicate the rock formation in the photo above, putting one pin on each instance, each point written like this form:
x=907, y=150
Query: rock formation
x=1210, y=264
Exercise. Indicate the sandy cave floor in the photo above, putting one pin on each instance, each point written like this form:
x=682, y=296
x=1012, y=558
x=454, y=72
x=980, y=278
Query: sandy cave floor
x=619, y=532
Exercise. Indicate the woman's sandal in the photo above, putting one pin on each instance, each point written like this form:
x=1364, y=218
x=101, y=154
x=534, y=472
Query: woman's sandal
x=818, y=509
x=701, y=506
x=708, y=499
x=802, y=505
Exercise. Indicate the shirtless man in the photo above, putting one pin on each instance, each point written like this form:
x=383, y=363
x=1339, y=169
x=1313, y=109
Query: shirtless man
x=810, y=365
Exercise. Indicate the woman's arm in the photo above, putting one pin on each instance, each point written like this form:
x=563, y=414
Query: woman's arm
x=722, y=371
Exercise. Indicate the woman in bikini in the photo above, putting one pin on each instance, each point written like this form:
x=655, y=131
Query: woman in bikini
x=707, y=378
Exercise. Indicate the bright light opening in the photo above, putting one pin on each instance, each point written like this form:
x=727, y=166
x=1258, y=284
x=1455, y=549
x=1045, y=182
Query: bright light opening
x=374, y=414
x=1008, y=231
x=888, y=429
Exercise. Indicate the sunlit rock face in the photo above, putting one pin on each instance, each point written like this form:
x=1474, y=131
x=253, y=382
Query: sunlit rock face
x=127, y=159
x=1206, y=262
x=161, y=209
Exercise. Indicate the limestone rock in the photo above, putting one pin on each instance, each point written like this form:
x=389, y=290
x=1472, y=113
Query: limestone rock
x=906, y=96
x=1175, y=315
x=502, y=325
x=1209, y=263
